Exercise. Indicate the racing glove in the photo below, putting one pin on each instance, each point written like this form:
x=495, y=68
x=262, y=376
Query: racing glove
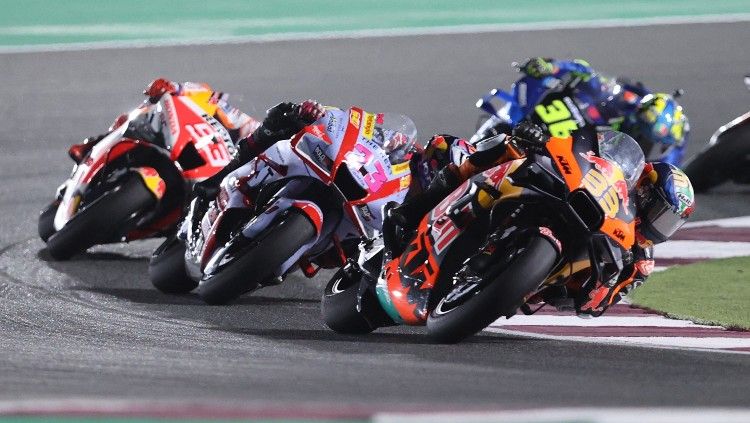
x=530, y=136
x=537, y=67
x=286, y=119
x=158, y=87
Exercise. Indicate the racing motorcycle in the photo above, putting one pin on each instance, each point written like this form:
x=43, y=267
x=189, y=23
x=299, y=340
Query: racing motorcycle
x=605, y=99
x=132, y=183
x=304, y=202
x=565, y=219
x=730, y=146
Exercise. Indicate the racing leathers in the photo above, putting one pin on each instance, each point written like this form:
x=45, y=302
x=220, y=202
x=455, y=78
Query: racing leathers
x=281, y=122
x=592, y=299
x=620, y=103
x=238, y=124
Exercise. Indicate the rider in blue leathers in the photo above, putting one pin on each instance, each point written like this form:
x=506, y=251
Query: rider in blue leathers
x=655, y=120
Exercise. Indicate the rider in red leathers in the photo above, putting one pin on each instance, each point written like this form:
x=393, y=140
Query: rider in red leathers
x=214, y=103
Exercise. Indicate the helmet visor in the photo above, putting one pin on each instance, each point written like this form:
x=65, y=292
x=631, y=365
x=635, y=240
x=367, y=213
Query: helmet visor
x=662, y=219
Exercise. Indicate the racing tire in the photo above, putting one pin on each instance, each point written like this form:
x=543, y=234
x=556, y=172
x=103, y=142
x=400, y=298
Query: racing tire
x=101, y=220
x=266, y=254
x=46, y=223
x=338, y=305
x=703, y=171
x=719, y=162
x=500, y=297
x=166, y=269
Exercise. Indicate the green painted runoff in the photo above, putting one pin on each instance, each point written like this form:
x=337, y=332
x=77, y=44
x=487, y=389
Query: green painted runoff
x=35, y=22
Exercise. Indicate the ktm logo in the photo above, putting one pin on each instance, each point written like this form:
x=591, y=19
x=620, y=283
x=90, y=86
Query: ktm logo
x=564, y=164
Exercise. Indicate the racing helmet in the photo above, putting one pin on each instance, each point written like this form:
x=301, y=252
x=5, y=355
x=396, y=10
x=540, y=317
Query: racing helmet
x=660, y=123
x=664, y=199
x=396, y=134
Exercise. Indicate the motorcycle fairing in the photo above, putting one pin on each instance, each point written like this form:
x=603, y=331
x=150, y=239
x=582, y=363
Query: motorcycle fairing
x=110, y=147
x=405, y=287
x=583, y=169
x=182, y=118
x=336, y=147
x=581, y=166
x=190, y=125
x=340, y=147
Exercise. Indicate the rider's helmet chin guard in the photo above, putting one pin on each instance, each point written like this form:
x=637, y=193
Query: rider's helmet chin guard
x=661, y=123
x=665, y=200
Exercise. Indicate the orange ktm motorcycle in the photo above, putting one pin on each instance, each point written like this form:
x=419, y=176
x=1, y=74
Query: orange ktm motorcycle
x=564, y=220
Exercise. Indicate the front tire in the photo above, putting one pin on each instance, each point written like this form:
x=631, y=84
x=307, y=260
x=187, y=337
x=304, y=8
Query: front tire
x=46, y=223
x=500, y=297
x=101, y=220
x=166, y=269
x=339, y=304
x=260, y=261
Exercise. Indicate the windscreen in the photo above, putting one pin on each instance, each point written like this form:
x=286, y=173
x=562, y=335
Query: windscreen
x=396, y=134
x=624, y=151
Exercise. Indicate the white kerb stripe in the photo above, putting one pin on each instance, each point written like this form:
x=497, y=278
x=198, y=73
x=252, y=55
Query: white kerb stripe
x=622, y=321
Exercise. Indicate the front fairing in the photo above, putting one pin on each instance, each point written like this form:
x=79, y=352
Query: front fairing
x=342, y=149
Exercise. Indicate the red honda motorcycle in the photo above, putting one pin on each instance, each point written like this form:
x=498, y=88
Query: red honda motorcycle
x=132, y=184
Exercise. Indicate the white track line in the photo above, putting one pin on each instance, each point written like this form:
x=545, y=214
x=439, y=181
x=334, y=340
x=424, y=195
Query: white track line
x=681, y=343
x=386, y=32
x=605, y=320
x=700, y=249
x=592, y=415
x=731, y=222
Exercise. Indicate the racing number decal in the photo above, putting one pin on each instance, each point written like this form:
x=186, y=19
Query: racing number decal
x=606, y=194
x=557, y=117
x=358, y=158
x=203, y=136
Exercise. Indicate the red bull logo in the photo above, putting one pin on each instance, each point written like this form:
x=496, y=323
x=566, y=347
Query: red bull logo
x=607, y=183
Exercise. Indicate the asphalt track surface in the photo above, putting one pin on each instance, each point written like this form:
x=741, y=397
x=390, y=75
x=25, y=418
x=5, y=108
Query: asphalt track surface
x=93, y=327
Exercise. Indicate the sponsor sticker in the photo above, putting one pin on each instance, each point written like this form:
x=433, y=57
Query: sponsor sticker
x=172, y=118
x=404, y=182
x=400, y=168
x=322, y=158
x=354, y=118
x=369, y=126
x=365, y=212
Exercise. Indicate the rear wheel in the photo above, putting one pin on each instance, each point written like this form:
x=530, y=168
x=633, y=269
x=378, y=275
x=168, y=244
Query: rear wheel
x=259, y=262
x=101, y=220
x=468, y=308
x=339, y=304
x=46, y=223
x=166, y=269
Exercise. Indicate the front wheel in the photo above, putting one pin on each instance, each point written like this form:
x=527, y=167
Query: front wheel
x=101, y=220
x=46, y=223
x=469, y=308
x=259, y=262
x=339, y=304
x=166, y=269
